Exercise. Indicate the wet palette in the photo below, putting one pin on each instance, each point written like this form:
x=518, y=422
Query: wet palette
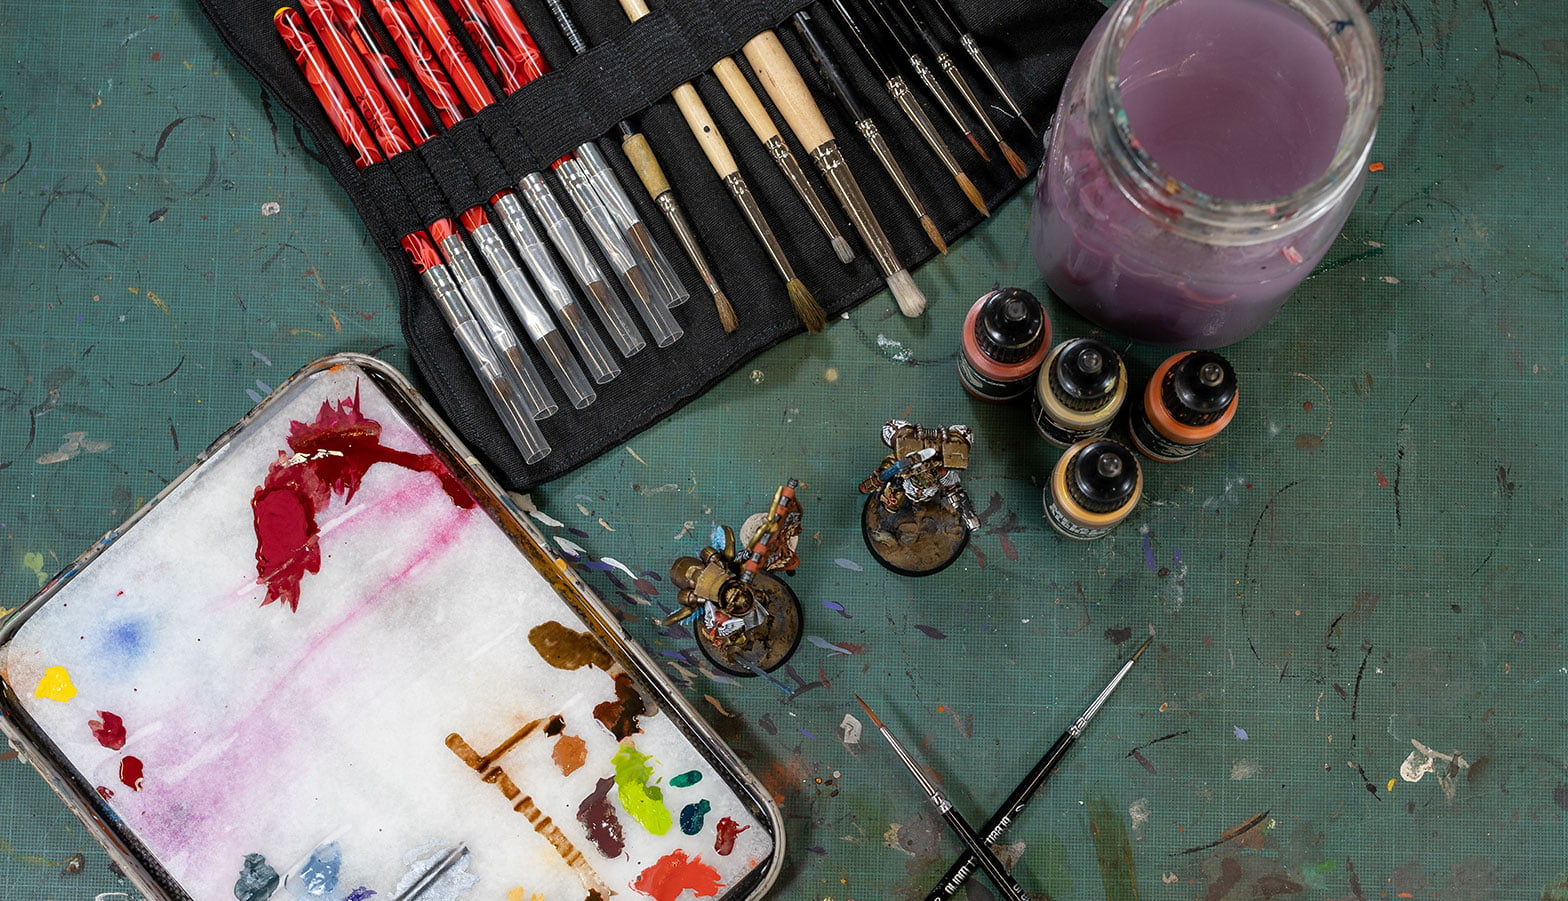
x=331, y=661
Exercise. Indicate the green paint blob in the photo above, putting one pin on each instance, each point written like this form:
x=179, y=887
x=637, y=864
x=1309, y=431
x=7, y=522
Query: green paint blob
x=644, y=802
x=685, y=779
x=1113, y=851
x=34, y=562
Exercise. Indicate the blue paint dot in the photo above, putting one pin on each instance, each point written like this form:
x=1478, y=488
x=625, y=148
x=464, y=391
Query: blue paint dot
x=1241, y=734
x=691, y=817
x=257, y=880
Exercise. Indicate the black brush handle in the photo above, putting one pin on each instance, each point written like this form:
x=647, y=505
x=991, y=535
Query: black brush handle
x=913, y=17
x=873, y=47
x=883, y=15
x=826, y=67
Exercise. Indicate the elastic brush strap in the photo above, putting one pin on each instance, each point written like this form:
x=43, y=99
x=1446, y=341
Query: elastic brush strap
x=627, y=73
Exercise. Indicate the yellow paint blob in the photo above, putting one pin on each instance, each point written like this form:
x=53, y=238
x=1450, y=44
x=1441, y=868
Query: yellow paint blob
x=517, y=894
x=34, y=563
x=55, y=685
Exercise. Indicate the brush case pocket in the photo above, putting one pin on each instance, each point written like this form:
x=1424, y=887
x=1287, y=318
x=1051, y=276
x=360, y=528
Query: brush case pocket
x=627, y=73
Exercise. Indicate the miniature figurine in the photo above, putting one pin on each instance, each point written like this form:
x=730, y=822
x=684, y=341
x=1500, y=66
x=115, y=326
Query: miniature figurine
x=747, y=621
x=918, y=517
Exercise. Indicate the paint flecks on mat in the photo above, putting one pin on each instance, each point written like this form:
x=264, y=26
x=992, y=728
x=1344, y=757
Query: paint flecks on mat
x=55, y=685
x=675, y=873
x=850, y=565
x=642, y=801
x=828, y=646
x=1113, y=851
x=1445, y=767
x=692, y=816
x=1241, y=734
x=257, y=880
x=724, y=835
x=598, y=817
x=931, y=631
x=109, y=730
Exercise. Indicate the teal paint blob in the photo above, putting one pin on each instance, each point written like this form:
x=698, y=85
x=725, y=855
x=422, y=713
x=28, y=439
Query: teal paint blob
x=257, y=880
x=691, y=817
x=685, y=779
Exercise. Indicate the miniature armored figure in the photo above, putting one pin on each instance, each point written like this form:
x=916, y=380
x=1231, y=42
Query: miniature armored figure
x=918, y=517
x=747, y=620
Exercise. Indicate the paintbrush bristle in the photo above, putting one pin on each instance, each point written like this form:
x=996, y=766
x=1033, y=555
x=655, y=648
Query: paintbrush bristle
x=842, y=249
x=975, y=143
x=727, y=317
x=933, y=233
x=874, y=720
x=910, y=301
x=972, y=192
x=1145, y=646
x=1013, y=159
x=806, y=306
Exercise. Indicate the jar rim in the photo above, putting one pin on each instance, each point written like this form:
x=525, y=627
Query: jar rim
x=1194, y=213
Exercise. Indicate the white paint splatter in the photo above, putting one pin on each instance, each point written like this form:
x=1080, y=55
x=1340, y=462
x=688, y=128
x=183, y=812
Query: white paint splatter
x=1169, y=878
x=635, y=457
x=620, y=566
x=757, y=376
x=1244, y=768
x=1388, y=280
x=271, y=208
x=850, y=730
x=546, y=518
x=260, y=356
x=1424, y=760
x=1139, y=814
x=850, y=565
x=1241, y=734
x=894, y=350
x=570, y=547
x=828, y=646
x=687, y=528
x=73, y=445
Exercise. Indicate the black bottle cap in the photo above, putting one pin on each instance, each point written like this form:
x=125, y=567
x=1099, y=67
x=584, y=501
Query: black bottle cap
x=1199, y=388
x=1010, y=326
x=1103, y=477
x=1085, y=373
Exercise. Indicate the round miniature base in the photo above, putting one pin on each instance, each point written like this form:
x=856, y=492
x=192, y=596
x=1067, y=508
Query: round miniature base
x=914, y=540
x=766, y=647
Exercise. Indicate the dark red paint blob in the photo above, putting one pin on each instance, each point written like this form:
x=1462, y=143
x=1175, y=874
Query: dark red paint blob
x=724, y=835
x=674, y=873
x=598, y=817
x=131, y=772
x=329, y=457
x=110, y=731
x=105, y=793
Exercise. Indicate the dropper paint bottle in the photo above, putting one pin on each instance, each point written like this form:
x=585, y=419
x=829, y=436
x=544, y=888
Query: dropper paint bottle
x=1188, y=402
x=1094, y=486
x=1006, y=336
x=1081, y=386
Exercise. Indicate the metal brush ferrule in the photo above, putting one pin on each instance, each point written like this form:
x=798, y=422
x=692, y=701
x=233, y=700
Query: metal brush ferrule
x=910, y=104
x=685, y=234
x=797, y=178
x=448, y=297
x=973, y=48
x=928, y=78
x=831, y=163
x=868, y=130
x=962, y=84
x=759, y=224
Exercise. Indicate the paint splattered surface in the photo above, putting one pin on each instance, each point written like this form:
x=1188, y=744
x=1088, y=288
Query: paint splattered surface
x=412, y=693
x=1365, y=577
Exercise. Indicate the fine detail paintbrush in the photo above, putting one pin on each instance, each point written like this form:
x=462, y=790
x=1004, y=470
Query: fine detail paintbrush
x=640, y=154
x=945, y=61
x=789, y=93
x=967, y=38
x=756, y=115
x=717, y=150
x=895, y=27
x=991, y=833
x=872, y=48
x=504, y=384
x=852, y=107
x=955, y=821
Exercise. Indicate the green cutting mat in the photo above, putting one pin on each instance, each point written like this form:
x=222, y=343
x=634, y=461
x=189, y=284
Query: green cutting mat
x=1372, y=555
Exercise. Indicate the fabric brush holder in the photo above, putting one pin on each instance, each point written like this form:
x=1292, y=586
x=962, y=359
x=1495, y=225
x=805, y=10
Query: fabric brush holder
x=628, y=73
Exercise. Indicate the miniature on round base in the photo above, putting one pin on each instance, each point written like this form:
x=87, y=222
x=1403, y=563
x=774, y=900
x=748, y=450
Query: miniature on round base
x=917, y=517
x=765, y=647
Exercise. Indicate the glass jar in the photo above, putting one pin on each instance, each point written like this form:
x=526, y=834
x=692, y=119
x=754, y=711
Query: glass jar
x=1254, y=120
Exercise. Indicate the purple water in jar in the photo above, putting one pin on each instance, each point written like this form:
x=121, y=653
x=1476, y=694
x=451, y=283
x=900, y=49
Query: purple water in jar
x=1203, y=158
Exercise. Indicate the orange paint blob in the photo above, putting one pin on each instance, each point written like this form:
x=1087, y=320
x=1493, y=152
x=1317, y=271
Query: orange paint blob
x=674, y=873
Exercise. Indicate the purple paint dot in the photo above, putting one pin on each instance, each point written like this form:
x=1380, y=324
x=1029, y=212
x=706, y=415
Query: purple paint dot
x=1241, y=734
x=932, y=632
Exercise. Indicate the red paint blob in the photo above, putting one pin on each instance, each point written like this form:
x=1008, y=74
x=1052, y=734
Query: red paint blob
x=105, y=793
x=110, y=731
x=1382, y=480
x=131, y=772
x=674, y=873
x=330, y=457
x=724, y=837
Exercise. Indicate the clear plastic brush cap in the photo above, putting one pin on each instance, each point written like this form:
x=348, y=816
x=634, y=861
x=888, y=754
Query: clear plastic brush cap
x=573, y=319
x=485, y=308
x=650, y=302
x=637, y=233
x=612, y=312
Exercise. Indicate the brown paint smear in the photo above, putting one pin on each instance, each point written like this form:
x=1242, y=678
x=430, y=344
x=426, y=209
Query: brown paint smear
x=620, y=715
x=566, y=649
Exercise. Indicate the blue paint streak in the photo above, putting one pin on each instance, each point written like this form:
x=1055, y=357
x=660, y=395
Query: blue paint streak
x=320, y=873
x=850, y=565
x=826, y=645
x=1148, y=553
x=359, y=894
x=1241, y=734
x=691, y=817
